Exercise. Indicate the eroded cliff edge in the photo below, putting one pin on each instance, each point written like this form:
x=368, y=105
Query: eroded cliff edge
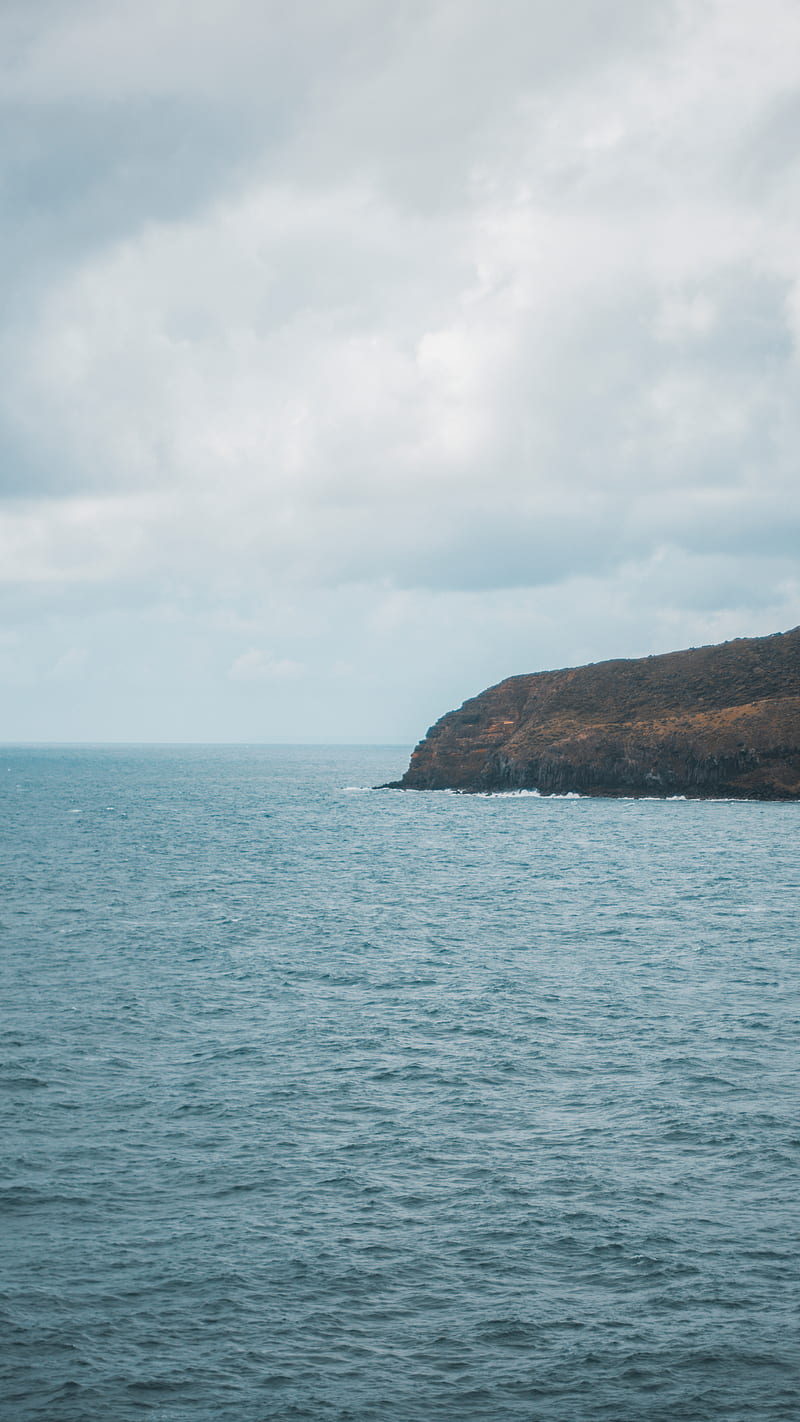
x=709, y=722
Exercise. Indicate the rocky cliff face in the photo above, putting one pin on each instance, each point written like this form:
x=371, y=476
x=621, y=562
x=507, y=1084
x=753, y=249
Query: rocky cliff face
x=709, y=722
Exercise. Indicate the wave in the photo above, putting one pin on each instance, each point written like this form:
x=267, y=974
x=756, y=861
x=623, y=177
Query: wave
x=526, y=794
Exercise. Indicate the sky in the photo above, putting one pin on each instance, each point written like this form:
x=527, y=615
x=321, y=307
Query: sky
x=357, y=355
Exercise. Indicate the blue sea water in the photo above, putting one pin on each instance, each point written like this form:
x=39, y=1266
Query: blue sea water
x=346, y=1105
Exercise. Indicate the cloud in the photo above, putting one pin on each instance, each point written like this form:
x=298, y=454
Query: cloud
x=257, y=665
x=331, y=313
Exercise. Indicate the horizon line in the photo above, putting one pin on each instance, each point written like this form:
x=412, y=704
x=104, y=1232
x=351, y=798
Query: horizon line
x=375, y=745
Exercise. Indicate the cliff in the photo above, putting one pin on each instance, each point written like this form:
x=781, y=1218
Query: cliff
x=709, y=722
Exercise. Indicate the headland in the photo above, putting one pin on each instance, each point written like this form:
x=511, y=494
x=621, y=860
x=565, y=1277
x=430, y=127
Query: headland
x=710, y=722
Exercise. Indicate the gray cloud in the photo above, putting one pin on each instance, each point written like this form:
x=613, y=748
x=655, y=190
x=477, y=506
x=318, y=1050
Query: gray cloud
x=329, y=328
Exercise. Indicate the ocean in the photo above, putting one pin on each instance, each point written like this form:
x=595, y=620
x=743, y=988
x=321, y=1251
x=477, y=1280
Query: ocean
x=321, y=1102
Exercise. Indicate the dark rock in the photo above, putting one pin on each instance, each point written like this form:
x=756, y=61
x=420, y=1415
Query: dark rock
x=707, y=723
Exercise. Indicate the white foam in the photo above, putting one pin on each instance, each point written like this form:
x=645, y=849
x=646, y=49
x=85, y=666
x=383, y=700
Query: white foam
x=529, y=795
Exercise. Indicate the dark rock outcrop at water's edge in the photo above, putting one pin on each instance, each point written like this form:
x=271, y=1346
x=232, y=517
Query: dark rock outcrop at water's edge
x=707, y=723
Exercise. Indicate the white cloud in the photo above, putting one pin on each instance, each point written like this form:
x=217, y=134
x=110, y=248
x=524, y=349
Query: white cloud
x=484, y=312
x=257, y=665
x=71, y=663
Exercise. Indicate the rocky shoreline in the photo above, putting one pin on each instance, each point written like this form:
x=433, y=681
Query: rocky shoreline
x=706, y=723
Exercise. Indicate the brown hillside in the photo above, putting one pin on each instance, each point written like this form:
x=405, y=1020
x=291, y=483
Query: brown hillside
x=708, y=722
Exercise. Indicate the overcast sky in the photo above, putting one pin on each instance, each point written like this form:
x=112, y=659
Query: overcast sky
x=358, y=354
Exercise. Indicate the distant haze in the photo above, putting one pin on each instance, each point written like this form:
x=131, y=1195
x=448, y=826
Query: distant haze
x=358, y=355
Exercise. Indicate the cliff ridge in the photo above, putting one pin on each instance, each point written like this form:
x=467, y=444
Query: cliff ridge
x=709, y=722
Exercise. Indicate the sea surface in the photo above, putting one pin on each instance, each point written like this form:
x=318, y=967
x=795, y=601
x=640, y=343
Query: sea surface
x=327, y=1103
